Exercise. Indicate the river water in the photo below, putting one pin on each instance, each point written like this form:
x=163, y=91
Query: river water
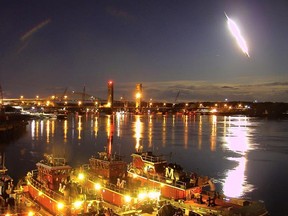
x=246, y=157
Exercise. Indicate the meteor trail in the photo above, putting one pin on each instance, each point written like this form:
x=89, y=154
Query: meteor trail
x=35, y=29
x=235, y=31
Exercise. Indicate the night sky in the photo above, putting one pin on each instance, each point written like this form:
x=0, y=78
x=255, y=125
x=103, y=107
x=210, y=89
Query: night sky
x=48, y=46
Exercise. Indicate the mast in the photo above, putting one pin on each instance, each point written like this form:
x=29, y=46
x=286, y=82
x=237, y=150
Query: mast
x=3, y=169
x=84, y=94
x=1, y=100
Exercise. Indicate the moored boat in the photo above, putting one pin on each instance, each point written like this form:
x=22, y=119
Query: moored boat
x=189, y=191
x=106, y=174
x=174, y=182
x=51, y=185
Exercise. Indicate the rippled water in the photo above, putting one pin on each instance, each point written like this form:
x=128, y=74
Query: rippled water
x=246, y=157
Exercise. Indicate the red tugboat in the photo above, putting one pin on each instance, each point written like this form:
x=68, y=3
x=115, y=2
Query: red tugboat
x=52, y=187
x=185, y=190
x=106, y=174
x=174, y=182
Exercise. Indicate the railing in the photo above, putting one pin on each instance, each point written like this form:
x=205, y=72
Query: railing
x=152, y=158
x=50, y=160
x=108, y=157
x=39, y=186
x=114, y=187
x=178, y=183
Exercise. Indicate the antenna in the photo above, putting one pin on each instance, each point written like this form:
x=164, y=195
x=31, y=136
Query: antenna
x=1, y=100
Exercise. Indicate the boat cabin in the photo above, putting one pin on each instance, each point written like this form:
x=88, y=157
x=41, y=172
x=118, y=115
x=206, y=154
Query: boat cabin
x=53, y=171
x=108, y=166
x=147, y=163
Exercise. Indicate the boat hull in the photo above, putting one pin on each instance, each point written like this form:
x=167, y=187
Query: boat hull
x=169, y=191
x=52, y=201
x=43, y=199
x=110, y=194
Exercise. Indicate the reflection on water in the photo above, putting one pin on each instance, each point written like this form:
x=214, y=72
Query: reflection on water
x=164, y=131
x=237, y=139
x=150, y=131
x=221, y=147
x=213, y=133
x=79, y=127
x=200, y=132
x=33, y=129
x=235, y=184
x=119, y=120
x=110, y=133
x=138, y=129
x=96, y=127
x=50, y=130
x=65, y=130
x=186, y=131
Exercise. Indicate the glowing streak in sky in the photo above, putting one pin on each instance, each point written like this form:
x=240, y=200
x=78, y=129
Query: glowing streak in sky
x=235, y=31
x=35, y=29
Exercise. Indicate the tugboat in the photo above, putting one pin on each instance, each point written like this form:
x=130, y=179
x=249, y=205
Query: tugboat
x=188, y=191
x=174, y=182
x=54, y=189
x=106, y=174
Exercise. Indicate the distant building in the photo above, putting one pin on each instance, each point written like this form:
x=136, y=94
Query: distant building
x=138, y=96
x=110, y=94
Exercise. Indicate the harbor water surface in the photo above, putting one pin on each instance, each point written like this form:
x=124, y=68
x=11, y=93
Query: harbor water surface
x=246, y=157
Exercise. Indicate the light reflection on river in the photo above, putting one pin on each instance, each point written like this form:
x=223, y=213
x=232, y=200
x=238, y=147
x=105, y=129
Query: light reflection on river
x=237, y=152
x=236, y=137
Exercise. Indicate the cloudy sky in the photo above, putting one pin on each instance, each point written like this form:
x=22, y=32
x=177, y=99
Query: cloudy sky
x=167, y=45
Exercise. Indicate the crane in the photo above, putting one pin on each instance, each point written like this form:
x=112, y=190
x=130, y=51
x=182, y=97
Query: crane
x=84, y=94
x=64, y=93
x=176, y=98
